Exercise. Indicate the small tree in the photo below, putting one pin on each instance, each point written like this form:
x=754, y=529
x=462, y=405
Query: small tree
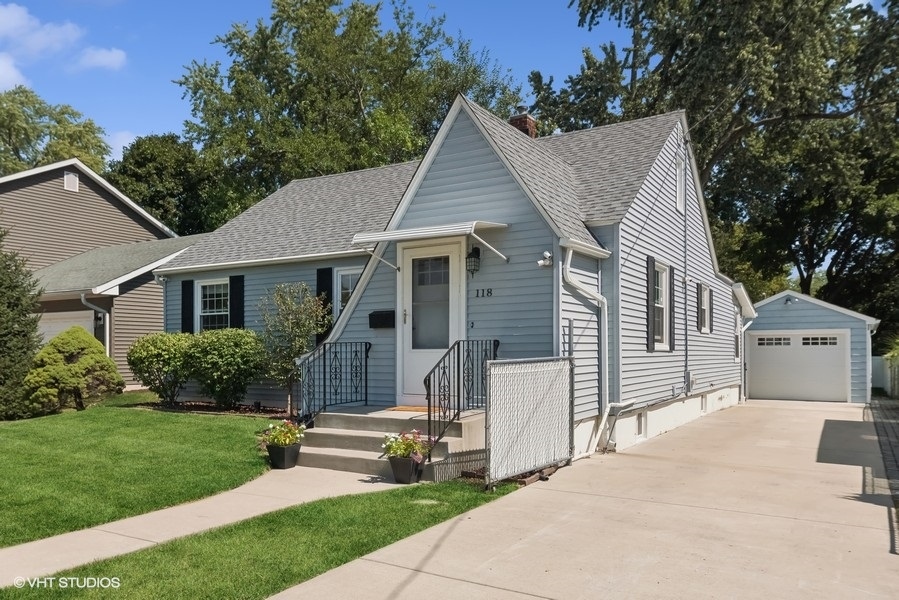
x=72, y=369
x=19, y=339
x=160, y=362
x=291, y=317
x=225, y=362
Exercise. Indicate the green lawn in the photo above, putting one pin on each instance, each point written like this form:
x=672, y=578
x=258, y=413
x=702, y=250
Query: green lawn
x=78, y=469
x=267, y=554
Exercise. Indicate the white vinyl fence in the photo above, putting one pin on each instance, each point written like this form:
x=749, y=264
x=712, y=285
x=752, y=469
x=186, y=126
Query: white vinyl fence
x=529, y=413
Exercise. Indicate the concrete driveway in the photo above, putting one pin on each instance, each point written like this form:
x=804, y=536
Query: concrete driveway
x=764, y=500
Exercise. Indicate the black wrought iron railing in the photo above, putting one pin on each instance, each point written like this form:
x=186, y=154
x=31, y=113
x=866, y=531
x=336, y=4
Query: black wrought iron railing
x=333, y=374
x=458, y=382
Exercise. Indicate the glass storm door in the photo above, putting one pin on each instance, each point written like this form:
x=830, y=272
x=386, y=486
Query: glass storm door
x=430, y=317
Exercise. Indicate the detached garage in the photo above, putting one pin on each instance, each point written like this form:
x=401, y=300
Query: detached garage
x=802, y=348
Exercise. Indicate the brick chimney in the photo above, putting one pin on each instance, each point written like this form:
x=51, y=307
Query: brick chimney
x=524, y=122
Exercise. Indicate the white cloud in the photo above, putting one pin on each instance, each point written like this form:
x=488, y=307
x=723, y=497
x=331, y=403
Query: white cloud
x=26, y=38
x=10, y=76
x=117, y=142
x=101, y=58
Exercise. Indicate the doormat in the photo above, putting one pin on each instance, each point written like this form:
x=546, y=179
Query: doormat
x=409, y=408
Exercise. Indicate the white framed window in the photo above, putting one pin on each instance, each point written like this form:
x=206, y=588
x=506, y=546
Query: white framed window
x=703, y=316
x=212, y=304
x=70, y=181
x=345, y=281
x=681, y=185
x=660, y=319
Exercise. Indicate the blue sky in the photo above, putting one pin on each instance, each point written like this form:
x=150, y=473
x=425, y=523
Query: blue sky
x=114, y=60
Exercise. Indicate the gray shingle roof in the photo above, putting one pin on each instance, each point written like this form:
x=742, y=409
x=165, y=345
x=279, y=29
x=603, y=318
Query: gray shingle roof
x=100, y=266
x=611, y=162
x=588, y=176
x=547, y=175
x=306, y=217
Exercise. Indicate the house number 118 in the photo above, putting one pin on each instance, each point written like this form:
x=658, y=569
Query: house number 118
x=483, y=292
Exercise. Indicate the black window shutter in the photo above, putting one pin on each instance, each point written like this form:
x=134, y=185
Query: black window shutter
x=711, y=320
x=699, y=307
x=650, y=304
x=187, y=306
x=671, y=310
x=235, y=301
x=324, y=286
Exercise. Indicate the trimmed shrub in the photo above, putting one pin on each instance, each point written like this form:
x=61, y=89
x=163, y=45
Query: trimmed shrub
x=225, y=362
x=160, y=362
x=19, y=339
x=71, y=370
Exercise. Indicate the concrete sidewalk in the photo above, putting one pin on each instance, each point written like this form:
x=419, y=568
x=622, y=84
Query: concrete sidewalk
x=764, y=500
x=272, y=491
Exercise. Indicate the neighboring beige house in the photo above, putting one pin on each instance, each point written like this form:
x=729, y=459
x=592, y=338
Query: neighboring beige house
x=92, y=250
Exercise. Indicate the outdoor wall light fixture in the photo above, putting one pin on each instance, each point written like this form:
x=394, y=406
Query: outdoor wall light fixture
x=473, y=260
x=547, y=260
x=791, y=300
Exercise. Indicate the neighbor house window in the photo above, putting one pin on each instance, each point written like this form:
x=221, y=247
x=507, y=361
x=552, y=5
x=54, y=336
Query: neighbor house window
x=738, y=331
x=660, y=305
x=213, y=304
x=345, y=281
x=703, y=307
x=681, y=184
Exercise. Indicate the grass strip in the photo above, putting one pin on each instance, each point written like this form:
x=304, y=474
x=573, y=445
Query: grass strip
x=267, y=554
x=74, y=470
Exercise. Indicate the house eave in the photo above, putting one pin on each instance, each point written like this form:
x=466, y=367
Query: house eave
x=260, y=262
x=587, y=249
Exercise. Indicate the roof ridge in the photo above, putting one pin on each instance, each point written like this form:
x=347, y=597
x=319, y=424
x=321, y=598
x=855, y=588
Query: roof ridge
x=345, y=173
x=609, y=125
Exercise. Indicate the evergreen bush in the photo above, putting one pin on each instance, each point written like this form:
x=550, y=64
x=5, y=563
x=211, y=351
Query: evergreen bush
x=19, y=337
x=71, y=370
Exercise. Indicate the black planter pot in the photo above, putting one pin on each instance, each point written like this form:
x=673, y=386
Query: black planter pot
x=283, y=457
x=405, y=469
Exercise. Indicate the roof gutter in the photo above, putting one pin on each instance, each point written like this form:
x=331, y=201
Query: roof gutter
x=604, y=321
x=105, y=314
x=261, y=262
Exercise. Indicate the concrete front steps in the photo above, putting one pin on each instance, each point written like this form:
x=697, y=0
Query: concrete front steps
x=350, y=439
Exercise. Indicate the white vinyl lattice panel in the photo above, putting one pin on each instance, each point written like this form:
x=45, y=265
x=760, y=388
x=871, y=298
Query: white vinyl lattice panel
x=529, y=415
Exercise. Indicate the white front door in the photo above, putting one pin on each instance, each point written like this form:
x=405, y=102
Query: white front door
x=431, y=298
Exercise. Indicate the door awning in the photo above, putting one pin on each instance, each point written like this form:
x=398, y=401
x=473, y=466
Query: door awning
x=422, y=233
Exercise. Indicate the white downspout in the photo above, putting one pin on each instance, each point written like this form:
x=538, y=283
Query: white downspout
x=604, y=324
x=105, y=314
x=743, y=382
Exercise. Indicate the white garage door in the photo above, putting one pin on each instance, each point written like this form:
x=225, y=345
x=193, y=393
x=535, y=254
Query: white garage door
x=799, y=365
x=54, y=323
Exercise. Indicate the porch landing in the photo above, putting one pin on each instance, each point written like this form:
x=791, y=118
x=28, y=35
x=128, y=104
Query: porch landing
x=350, y=439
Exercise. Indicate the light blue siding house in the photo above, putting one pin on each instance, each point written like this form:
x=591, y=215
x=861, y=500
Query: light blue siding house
x=498, y=244
x=802, y=348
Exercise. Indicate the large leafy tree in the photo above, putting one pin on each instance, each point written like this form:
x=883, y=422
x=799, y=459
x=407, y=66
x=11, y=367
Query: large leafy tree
x=736, y=67
x=324, y=87
x=167, y=176
x=785, y=100
x=35, y=133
